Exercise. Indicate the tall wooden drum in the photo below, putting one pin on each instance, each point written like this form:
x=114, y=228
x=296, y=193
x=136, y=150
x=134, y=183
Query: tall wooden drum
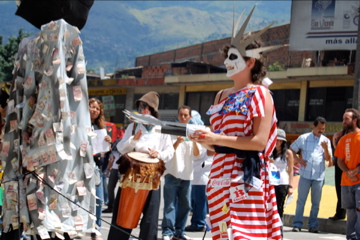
x=140, y=173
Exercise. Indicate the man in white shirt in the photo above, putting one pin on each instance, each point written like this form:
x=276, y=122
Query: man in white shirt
x=315, y=149
x=178, y=176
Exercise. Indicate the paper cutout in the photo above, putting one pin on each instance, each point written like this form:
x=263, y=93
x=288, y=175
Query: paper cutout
x=98, y=143
x=238, y=193
x=225, y=208
x=79, y=224
x=5, y=149
x=83, y=148
x=72, y=178
x=80, y=186
x=89, y=170
x=41, y=214
x=43, y=232
x=49, y=134
x=53, y=201
x=31, y=202
x=77, y=93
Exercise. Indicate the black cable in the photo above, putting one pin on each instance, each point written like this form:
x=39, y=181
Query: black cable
x=115, y=226
x=204, y=235
x=47, y=184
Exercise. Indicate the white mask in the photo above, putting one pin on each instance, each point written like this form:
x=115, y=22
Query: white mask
x=234, y=62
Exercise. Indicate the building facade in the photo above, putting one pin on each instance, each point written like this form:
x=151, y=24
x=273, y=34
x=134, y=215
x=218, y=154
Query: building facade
x=306, y=84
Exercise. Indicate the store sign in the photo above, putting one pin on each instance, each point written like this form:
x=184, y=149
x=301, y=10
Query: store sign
x=316, y=102
x=324, y=25
x=109, y=105
x=107, y=91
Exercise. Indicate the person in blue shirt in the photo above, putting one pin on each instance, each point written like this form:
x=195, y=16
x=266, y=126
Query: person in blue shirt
x=315, y=149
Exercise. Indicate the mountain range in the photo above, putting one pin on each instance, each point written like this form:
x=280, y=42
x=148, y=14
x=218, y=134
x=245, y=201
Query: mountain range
x=117, y=32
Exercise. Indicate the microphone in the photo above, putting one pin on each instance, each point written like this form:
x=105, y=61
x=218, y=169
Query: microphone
x=179, y=129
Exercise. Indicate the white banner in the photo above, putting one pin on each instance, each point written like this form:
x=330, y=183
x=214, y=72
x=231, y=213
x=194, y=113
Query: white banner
x=324, y=25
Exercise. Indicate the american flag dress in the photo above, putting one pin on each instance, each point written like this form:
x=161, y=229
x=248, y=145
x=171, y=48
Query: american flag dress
x=234, y=212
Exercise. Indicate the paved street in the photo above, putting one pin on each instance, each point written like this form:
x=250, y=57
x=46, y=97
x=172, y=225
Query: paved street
x=288, y=234
x=325, y=211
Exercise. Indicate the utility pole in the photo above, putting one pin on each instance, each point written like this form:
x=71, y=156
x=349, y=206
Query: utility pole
x=356, y=92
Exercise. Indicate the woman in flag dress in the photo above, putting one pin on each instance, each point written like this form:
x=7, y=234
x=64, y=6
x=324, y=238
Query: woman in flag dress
x=242, y=203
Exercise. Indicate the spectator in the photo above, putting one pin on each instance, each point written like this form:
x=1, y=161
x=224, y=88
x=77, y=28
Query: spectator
x=96, y=109
x=178, y=176
x=315, y=149
x=340, y=212
x=202, y=166
x=113, y=174
x=283, y=159
x=348, y=154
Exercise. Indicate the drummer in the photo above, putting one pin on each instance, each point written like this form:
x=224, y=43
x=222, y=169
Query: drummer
x=144, y=138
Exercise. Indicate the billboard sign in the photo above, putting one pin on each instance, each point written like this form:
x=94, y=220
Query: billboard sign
x=324, y=25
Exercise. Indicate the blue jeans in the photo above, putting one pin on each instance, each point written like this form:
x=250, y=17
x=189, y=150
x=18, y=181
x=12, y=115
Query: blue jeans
x=350, y=200
x=99, y=202
x=303, y=192
x=176, y=205
x=199, y=205
x=104, y=182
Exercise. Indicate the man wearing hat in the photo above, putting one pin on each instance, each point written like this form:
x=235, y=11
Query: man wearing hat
x=315, y=149
x=143, y=138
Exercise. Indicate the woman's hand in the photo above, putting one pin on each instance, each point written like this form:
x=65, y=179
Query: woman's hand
x=205, y=137
x=290, y=191
x=107, y=139
x=107, y=173
x=153, y=153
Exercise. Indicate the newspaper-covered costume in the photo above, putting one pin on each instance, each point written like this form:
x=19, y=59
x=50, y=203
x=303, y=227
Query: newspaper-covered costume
x=46, y=133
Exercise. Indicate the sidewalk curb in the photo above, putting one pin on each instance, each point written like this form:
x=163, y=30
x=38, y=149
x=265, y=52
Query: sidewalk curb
x=325, y=225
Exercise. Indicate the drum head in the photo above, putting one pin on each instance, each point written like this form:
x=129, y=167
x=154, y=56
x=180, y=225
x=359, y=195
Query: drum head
x=142, y=157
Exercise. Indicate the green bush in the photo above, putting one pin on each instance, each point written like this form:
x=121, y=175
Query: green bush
x=275, y=67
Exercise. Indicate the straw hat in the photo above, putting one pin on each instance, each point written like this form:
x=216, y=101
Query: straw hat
x=281, y=135
x=151, y=98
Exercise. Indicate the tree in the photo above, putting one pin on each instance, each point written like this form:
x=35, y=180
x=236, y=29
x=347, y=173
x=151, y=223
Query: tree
x=7, y=53
x=275, y=67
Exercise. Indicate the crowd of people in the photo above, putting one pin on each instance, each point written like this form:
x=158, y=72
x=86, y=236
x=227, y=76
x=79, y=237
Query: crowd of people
x=243, y=160
x=190, y=183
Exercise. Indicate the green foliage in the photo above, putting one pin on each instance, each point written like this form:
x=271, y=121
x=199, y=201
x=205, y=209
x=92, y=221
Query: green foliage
x=275, y=67
x=7, y=53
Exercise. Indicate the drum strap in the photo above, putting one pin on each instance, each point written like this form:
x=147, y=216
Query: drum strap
x=134, y=128
x=133, y=132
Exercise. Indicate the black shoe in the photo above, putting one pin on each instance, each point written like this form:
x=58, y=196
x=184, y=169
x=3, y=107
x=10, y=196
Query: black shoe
x=296, y=229
x=335, y=217
x=108, y=210
x=183, y=237
x=313, y=230
x=191, y=228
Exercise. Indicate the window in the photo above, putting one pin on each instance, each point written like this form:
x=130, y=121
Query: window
x=286, y=104
x=201, y=102
x=329, y=103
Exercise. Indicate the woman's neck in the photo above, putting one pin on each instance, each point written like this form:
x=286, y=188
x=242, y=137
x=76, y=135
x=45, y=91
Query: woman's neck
x=241, y=81
x=240, y=86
